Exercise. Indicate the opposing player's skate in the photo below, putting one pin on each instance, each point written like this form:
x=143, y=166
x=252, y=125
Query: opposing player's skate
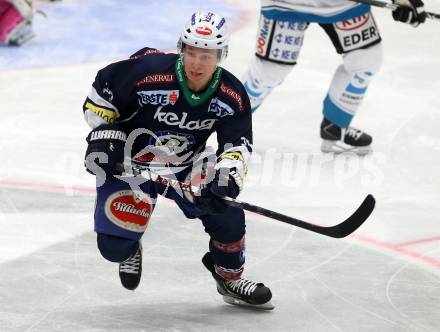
x=130, y=270
x=336, y=139
x=240, y=292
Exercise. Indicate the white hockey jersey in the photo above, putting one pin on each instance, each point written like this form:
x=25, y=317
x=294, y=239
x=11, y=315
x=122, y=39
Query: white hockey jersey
x=323, y=11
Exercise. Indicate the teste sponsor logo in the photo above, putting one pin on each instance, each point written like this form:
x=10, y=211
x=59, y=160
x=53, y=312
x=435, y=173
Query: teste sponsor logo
x=159, y=97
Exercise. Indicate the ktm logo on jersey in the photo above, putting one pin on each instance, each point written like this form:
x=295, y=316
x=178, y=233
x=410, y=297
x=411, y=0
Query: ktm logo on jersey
x=353, y=24
x=204, y=31
x=172, y=119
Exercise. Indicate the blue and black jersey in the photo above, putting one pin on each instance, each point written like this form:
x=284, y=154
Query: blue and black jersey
x=147, y=96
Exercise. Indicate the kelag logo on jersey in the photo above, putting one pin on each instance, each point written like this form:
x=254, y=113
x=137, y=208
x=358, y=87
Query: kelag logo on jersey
x=220, y=108
x=172, y=119
x=160, y=97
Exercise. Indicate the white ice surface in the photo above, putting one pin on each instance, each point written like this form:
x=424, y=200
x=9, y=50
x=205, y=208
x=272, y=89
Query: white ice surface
x=384, y=278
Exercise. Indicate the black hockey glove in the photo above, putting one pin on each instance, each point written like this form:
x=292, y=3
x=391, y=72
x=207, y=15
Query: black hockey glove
x=410, y=12
x=105, y=151
x=224, y=184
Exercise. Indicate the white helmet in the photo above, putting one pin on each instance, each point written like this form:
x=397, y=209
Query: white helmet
x=205, y=30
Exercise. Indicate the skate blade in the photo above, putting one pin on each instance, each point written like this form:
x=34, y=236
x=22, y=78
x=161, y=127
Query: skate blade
x=230, y=300
x=340, y=147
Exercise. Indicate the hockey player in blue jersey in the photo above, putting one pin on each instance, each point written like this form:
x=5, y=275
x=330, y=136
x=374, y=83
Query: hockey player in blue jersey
x=158, y=110
x=354, y=34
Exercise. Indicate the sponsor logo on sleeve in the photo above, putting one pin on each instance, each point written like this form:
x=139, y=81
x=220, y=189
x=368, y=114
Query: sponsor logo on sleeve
x=220, y=108
x=159, y=97
x=107, y=114
x=233, y=94
x=128, y=210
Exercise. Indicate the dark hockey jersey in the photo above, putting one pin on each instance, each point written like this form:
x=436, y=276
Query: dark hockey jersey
x=148, y=97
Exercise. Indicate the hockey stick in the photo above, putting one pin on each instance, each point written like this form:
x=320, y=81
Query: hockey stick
x=340, y=230
x=393, y=6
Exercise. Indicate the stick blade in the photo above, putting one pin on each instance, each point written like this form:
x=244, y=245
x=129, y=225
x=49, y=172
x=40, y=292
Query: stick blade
x=353, y=222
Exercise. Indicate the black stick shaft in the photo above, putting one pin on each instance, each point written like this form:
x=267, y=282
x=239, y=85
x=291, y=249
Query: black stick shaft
x=340, y=230
x=343, y=229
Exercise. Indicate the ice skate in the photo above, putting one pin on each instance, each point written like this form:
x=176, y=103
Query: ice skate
x=338, y=140
x=130, y=270
x=240, y=292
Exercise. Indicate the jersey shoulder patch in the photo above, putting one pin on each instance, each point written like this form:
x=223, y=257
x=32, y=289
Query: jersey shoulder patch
x=233, y=89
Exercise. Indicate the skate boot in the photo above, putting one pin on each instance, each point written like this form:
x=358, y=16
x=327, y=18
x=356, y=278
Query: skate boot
x=130, y=270
x=336, y=139
x=240, y=292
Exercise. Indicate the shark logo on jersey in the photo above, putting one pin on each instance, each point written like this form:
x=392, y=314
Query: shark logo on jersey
x=220, y=108
x=159, y=97
x=173, y=119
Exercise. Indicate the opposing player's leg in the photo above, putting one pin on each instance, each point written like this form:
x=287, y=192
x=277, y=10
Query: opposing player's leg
x=359, y=42
x=15, y=22
x=121, y=217
x=277, y=50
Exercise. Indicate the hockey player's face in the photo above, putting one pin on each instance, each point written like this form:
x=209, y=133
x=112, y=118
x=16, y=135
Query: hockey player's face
x=199, y=65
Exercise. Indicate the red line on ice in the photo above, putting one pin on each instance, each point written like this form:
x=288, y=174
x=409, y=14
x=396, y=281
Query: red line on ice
x=420, y=241
x=45, y=186
x=396, y=247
